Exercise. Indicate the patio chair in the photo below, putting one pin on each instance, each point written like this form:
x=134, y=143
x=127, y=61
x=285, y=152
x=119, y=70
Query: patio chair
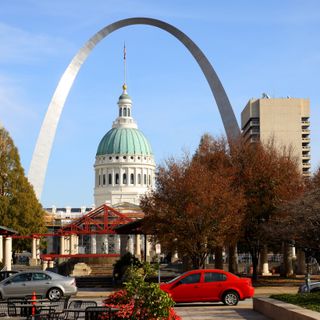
x=74, y=304
x=93, y=313
x=3, y=309
x=62, y=304
x=85, y=304
x=13, y=310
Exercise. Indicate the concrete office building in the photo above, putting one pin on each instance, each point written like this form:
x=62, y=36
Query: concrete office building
x=285, y=120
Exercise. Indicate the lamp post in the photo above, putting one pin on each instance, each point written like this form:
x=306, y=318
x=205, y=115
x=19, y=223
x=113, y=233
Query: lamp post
x=158, y=252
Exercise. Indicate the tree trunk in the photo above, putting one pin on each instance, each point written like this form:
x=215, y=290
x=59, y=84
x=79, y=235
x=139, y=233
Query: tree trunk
x=287, y=260
x=218, y=261
x=301, y=261
x=232, y=259
x=254, y=251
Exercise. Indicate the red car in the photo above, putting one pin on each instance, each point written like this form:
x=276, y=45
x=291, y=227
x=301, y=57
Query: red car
x=209, y=285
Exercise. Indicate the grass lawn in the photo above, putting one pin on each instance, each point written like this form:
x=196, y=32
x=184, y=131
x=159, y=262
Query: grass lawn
x=306, y=300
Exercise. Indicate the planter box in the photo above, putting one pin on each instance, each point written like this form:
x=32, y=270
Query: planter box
x=276, y=309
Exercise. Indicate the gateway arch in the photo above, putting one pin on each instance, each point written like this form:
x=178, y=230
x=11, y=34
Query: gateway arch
x=41, y=154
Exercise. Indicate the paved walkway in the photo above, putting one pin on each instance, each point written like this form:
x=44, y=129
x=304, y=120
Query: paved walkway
x=218, y=311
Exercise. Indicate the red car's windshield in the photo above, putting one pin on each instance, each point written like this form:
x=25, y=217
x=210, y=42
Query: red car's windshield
x=177, y=277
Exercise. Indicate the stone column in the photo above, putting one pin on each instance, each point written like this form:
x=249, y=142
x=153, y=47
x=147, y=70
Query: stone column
x=138, y=246
x=7, y=253
x=62, y=248
x=93, y=243
x=117, y=243
x=67, y=244
x=38, y=249
x=71, y=243
x=130, y=245
x=264, y=265
x=123, y=244
x=148, y=248
x=33, y=261
x=104, y=244
x=34, y=249
x=44, y=264
x=76, y=243
x=1, y=248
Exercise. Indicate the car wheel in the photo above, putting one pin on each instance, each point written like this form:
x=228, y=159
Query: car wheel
x=54, y=294
x=230, y=298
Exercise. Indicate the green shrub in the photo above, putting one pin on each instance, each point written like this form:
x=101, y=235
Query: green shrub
x=140, y=299
x=305, y=300
x=120, y=267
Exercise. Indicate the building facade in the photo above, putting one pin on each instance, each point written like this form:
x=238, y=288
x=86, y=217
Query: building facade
x=286, y=121
x=124, y=165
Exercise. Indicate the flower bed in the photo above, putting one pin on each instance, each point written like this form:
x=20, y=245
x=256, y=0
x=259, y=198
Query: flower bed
x=141, y=300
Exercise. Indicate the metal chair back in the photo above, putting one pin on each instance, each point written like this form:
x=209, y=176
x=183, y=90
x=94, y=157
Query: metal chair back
x=93, y=313
x=3, y=309
x=74, y=304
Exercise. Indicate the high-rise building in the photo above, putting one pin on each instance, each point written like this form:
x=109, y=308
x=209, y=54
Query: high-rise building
x=284, y=120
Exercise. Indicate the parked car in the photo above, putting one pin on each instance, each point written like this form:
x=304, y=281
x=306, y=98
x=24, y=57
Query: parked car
x=45, y=283
x=209, y=285
x=314, y=287
x=6, y=274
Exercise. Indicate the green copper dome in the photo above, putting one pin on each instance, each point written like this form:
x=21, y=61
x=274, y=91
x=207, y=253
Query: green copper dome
x=124, y=96
x=124, y=141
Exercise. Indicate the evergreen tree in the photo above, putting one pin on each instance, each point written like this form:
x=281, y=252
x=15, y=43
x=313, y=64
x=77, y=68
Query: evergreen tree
x=19, y=207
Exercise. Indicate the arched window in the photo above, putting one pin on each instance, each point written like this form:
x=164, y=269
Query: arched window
x=99, y=180
x=149, y=179
x=120, y=112
x=124, y=178
x=128, y=112
x=104, y=179
x=117, y=178
x=145, y=179
x=132, y=178
x=139, y=178
x=125, y=112
x=110, y=178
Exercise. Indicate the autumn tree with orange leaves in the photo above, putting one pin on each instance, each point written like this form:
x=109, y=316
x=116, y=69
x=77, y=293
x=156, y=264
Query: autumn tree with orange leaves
x=299, y=219
x=268, y=176
x=196, y=205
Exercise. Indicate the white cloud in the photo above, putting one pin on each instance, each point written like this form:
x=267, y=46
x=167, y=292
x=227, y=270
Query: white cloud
x=20, y=46
x=15, y=113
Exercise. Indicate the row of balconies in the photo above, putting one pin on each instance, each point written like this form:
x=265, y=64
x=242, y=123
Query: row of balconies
x=305, y=122
x=305, y=139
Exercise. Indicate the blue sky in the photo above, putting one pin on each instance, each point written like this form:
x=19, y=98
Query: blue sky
x=255, y=47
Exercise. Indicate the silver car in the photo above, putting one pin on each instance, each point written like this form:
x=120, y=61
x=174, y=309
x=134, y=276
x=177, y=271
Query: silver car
x=45, y=283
